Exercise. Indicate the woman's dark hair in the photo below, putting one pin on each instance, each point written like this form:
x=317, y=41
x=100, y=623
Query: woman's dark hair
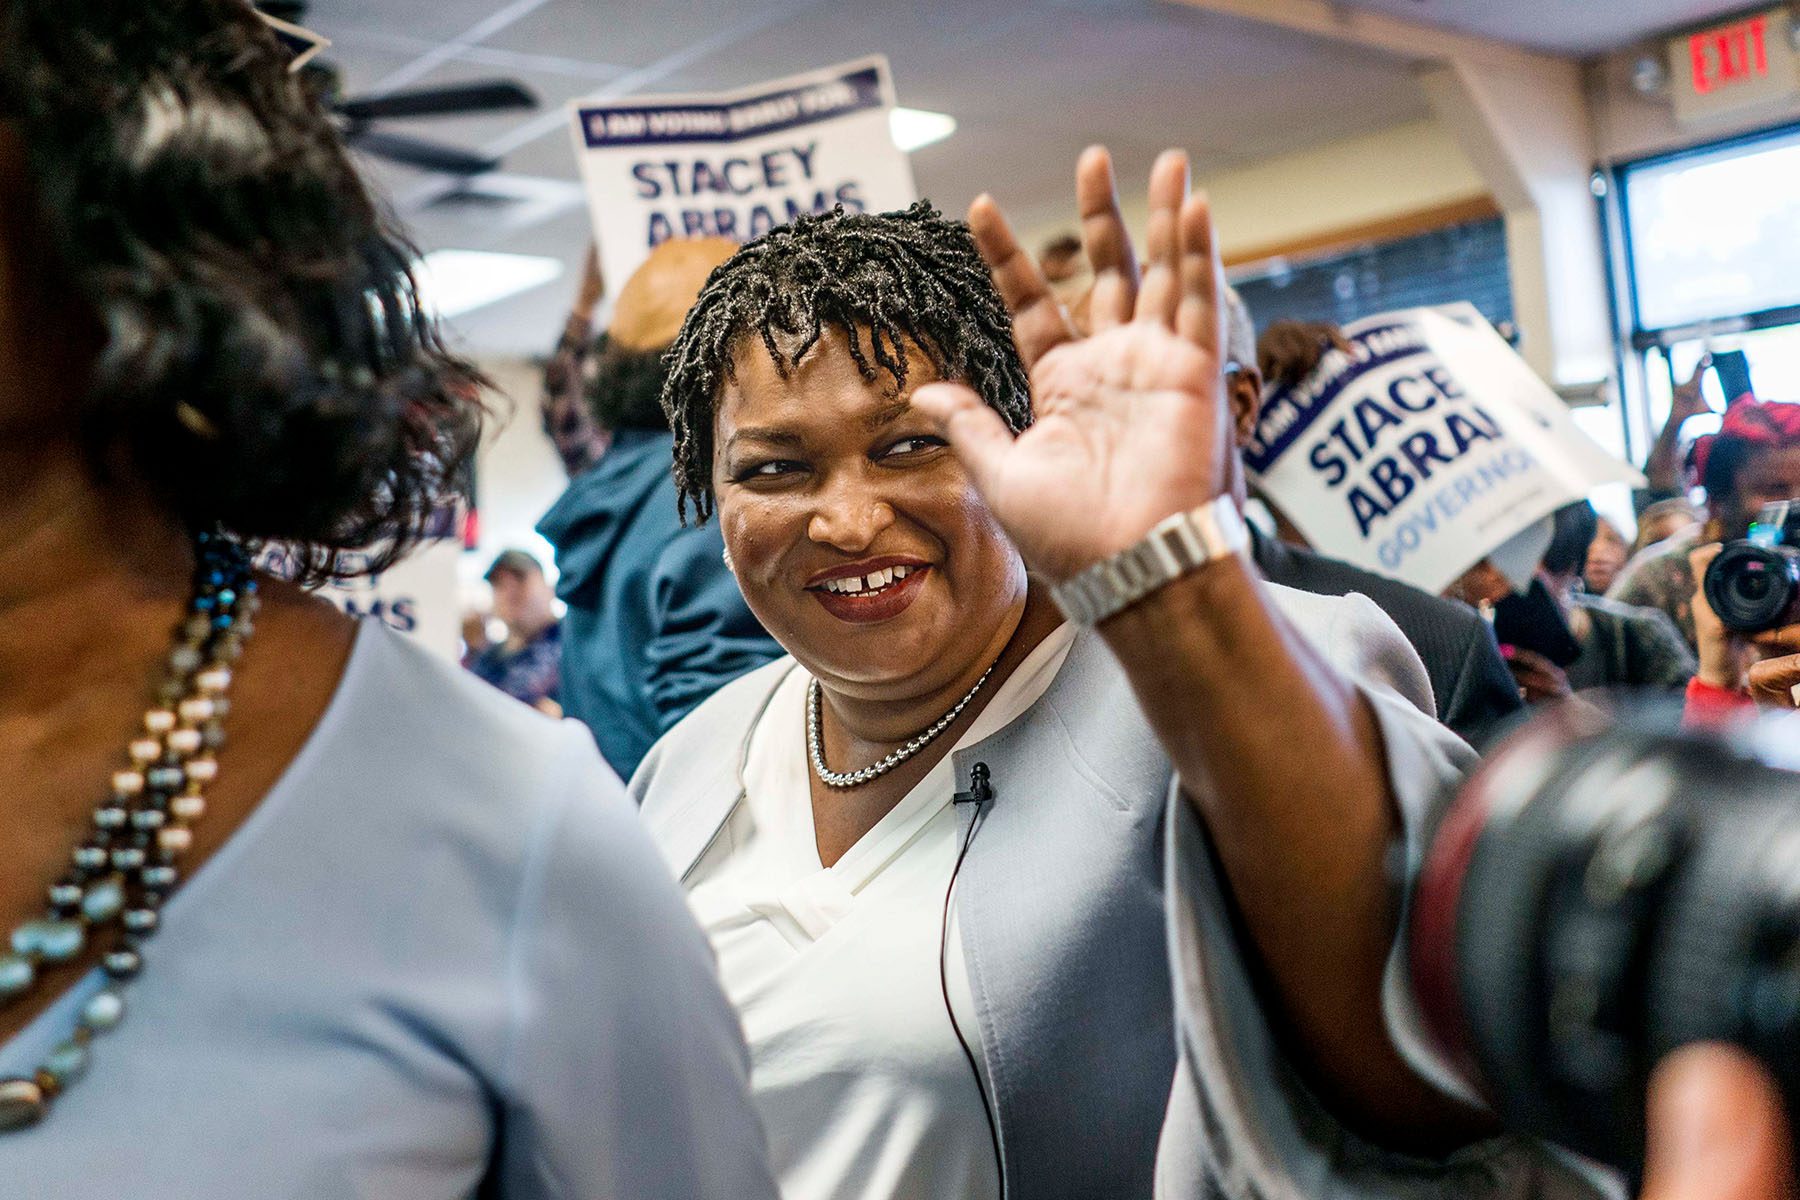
x=1575, y=526
x=264, y=361
x=625, y=391
x=1725, y=462
x=905, y=277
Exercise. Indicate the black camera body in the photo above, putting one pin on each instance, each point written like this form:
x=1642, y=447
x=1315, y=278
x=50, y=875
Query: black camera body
x=1754, y=584
x=1601, y=895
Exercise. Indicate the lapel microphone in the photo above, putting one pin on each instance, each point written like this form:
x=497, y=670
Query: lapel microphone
x=980, y=790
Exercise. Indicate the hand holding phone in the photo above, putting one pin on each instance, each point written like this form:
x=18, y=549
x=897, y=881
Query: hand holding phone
x=1732, y=367
x=1534, y=622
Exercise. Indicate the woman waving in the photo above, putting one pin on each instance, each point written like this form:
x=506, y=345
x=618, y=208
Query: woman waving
x=929, y=847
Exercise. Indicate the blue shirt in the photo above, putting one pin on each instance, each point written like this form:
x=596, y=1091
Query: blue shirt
x=530, y=673
x=655, y=623
x=440, y=956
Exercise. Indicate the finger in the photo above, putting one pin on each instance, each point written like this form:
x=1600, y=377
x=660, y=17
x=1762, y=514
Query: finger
x=1104, y=238
x=1161, y=289
x=1700, y=368
x=976, y=433
x=1774, y=682
x=1717, y=1131
x=1039, y=321
x=1201, y=316
x=1530, y=658
x=1700, y=558
x=1532, y=677
x=1785, y=640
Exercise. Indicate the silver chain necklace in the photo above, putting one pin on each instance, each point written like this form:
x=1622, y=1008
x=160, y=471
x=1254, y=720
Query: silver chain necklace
x=815, y=739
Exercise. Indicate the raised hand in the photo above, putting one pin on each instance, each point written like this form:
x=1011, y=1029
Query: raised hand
x=1131, y=422
x=1689, y=399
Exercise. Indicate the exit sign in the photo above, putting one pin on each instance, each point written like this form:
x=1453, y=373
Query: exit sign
x=1744, y=64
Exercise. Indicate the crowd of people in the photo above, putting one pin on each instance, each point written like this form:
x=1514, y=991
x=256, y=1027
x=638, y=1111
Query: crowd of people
x=1007, y=814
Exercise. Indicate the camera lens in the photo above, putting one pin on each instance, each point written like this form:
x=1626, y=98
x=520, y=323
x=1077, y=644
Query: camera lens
x=1753, y=588
x=1595, y=900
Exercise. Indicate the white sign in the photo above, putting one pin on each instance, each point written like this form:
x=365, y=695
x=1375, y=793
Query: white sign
x=1425, y=449
x=417, y=595
x=738, y=164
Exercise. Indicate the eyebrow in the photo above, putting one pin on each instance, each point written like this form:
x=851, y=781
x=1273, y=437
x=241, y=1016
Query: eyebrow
x=888, y=414
x=760, y=433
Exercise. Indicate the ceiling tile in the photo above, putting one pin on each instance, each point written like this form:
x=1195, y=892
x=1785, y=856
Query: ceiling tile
x=1576, y=27
x=1030, y=86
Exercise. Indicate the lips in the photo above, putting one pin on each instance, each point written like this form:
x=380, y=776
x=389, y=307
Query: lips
x=866, y=592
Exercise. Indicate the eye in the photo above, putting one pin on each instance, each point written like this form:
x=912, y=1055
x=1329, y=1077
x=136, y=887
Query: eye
x=772, y=469
x=913, y=445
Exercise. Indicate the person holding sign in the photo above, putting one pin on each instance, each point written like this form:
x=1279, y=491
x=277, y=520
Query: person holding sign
x=928, y=847
x=1475, y=695
x=295, y=909
x=655, y=624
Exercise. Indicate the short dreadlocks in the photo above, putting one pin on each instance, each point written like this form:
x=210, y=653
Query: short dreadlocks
x=911, y=276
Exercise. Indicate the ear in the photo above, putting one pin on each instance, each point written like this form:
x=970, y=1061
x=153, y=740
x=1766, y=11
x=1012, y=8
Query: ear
x=1243, y=391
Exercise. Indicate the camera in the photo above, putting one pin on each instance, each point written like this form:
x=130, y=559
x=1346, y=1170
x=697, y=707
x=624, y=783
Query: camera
x=1754, y=584
x=1600, y=894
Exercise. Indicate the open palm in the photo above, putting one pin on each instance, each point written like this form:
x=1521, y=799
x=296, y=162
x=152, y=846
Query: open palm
x=1131, y=422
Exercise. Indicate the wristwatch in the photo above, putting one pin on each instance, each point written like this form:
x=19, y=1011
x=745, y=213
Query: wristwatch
x=1177, y=546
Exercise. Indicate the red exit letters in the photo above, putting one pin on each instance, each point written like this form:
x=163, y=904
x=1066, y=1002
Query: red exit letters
x=1730, y=54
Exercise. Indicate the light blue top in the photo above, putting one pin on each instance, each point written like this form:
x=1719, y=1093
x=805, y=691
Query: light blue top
x=441, y=956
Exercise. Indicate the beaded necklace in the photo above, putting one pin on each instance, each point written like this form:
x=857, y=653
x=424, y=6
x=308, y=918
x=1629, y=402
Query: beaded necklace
x=125, y=868
x=815, y=739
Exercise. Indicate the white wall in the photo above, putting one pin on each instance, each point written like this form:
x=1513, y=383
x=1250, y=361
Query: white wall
x=518, y=475
x=1341, y=185
x=1394, y=173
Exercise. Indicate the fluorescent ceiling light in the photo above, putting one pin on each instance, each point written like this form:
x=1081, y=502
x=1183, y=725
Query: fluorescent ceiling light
x=914, y=127
x=454, y=282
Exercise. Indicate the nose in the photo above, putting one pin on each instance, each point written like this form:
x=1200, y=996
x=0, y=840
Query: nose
x=850, y=515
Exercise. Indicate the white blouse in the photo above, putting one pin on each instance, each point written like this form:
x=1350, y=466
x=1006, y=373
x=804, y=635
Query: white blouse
x=863, y=1089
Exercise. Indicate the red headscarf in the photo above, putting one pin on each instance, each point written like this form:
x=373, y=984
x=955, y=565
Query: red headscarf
x=1760, y=422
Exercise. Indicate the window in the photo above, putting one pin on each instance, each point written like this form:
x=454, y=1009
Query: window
x=1715, y=233
x=1712, y=261
x=1461, y=262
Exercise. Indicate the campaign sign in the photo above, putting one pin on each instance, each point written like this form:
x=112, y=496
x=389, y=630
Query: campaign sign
x=417, y=596
x=1422, y=450
x=738, y=164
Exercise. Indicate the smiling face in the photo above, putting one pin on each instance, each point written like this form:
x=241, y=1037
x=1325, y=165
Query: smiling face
x=860, y=542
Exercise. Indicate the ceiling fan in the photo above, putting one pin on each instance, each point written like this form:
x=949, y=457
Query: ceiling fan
x=360, y=116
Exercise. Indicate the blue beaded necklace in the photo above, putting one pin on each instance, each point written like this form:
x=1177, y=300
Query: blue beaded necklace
x=126, y=866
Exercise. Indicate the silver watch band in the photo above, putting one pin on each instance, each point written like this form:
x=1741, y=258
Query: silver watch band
x=1177, y=546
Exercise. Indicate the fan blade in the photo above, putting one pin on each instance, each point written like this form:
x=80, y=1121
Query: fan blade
x=427, y=156
x=494, y=96
x=292, y=11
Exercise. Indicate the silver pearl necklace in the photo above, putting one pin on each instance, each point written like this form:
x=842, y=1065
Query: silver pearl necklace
x=126, y=866
x=815, y=739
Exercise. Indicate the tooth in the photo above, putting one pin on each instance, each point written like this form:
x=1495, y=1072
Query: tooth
x=902, y=572
x=853, y=584
x=883, y=577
